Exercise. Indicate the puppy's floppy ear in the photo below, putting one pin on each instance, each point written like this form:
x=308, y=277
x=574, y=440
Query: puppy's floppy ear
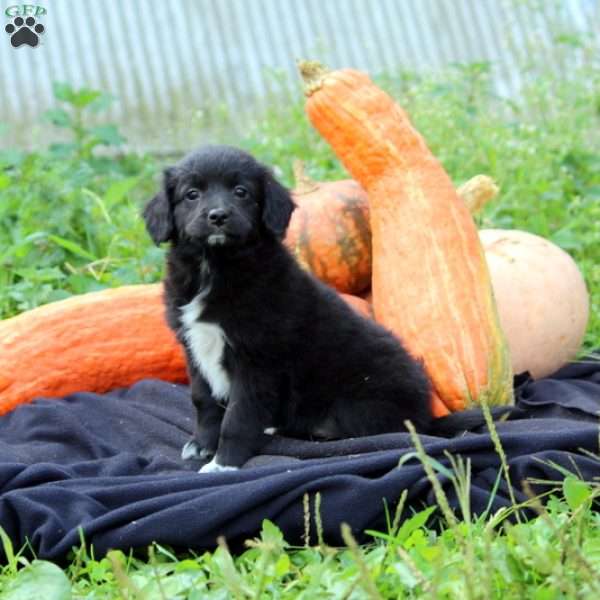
x=278, y=206
x=158, y=213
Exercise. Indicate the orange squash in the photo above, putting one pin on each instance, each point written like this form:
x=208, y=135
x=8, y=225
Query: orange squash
x=329, y=232
x=430, y=281
x=94, y=342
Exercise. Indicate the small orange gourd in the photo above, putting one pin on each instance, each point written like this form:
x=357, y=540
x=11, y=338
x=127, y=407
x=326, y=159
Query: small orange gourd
x=329, y=232
x=430, y=281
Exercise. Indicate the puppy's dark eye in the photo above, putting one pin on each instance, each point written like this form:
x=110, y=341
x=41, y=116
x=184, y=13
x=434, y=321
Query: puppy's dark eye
x=192, y=194
x=240, y=191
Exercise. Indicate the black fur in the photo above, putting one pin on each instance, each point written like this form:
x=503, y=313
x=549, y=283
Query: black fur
x=298, y=358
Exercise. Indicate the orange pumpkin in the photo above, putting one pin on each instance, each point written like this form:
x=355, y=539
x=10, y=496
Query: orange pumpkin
x=329, y=232
x=430, y=282
x=93, y=342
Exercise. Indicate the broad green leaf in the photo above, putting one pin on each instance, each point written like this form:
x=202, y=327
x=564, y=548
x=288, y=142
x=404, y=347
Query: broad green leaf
x=186, y=564
x=63, y=91
x=282, y=566
x=84, y=97
x=271, y=533
x=415, y=522
x=40, y=579
x=417, y=539
x=576, y=491
x=430, y=553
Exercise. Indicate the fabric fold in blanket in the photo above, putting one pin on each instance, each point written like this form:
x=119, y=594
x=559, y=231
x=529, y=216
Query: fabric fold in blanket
x=109, y=464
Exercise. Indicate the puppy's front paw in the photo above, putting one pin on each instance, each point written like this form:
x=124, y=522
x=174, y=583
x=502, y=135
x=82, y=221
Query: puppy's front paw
x=214, y=467
x=193, y=451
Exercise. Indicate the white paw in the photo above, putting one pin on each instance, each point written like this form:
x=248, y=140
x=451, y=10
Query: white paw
x=271, y=430
x=214, y=467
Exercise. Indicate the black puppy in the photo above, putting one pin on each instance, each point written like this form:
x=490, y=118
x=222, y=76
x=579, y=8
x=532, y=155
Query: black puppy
x=267, y=345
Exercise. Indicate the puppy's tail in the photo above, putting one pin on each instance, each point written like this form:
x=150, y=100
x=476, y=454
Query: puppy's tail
x=468, y=420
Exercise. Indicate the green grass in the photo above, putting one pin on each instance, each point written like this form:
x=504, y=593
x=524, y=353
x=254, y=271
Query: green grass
x=69, y=223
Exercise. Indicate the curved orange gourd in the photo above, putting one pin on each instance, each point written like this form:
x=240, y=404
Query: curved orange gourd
x=430, y=281
x=93, y=342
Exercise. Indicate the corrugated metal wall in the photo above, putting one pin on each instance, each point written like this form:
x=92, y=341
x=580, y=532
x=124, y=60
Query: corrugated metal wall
x=176, y=66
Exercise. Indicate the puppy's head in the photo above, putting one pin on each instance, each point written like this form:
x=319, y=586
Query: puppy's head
x=218, y=196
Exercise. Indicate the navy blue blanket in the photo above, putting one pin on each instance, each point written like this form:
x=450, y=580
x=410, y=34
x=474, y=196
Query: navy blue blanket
x=109, y=464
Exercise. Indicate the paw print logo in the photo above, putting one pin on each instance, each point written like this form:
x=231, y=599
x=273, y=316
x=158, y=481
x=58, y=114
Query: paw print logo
x=24, y=31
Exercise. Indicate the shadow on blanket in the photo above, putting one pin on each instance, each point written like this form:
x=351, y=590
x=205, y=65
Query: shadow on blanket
x=110, y=465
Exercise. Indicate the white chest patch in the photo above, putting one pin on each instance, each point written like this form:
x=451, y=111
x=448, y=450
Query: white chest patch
x=206, y=342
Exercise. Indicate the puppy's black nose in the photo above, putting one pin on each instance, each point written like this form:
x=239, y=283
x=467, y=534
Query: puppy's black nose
x=218, y=216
